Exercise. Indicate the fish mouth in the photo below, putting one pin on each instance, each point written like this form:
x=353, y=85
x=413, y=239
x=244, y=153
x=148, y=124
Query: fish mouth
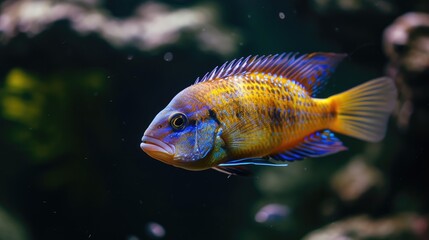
x=157, y=149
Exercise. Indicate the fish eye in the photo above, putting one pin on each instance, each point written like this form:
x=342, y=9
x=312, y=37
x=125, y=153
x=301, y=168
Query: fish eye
x=178, y=121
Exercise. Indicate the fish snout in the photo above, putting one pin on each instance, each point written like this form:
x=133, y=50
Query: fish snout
x=157, y=149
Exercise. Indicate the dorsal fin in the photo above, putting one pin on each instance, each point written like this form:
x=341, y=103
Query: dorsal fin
x=309, y=70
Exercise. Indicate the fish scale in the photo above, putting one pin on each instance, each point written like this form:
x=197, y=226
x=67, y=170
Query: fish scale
x=263, y=111
x=255, y=97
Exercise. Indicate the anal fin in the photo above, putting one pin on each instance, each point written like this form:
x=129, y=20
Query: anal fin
x=318, y=144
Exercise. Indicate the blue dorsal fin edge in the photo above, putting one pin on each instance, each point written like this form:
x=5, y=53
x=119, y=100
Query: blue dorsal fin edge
x=309, y=70
x=318, y=144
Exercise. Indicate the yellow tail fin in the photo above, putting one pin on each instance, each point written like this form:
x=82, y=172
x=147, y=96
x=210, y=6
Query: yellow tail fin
x=362, y=111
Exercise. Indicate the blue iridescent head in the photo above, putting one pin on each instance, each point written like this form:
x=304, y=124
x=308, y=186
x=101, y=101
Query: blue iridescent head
x=182, y=134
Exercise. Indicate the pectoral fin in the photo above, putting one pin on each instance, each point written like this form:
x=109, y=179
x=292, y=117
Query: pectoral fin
x=254, y=161
x=234, y=170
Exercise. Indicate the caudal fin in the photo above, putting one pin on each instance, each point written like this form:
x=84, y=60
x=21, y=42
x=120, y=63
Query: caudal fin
x=363, y=111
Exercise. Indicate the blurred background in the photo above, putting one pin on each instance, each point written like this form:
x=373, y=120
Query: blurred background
x=80, y=81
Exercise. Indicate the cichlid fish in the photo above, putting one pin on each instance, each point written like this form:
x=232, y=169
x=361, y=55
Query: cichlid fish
x=263, y=111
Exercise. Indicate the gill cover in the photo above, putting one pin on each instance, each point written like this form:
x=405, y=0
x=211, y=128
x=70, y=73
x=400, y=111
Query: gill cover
x=197, y=140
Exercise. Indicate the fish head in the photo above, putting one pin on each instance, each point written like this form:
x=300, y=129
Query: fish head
x=181, y=135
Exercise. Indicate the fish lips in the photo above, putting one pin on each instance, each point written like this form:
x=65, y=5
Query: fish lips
x=157, y=149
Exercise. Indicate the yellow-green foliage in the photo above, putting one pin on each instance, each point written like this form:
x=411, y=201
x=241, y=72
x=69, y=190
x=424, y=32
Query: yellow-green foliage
x=38, y=108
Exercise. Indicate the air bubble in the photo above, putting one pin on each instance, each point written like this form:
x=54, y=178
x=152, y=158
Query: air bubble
x=168, y=56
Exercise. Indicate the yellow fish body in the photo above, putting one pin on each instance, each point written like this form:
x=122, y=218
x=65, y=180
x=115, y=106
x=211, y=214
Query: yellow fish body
x=262, y=111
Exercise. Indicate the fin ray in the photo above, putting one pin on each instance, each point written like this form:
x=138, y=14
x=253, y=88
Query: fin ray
x=253, y=161
x=315, y=145
x=233, y=170
x=318, y=144
x=309, y=70
x=362, y=111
